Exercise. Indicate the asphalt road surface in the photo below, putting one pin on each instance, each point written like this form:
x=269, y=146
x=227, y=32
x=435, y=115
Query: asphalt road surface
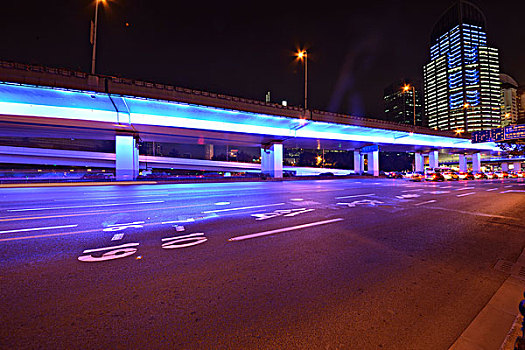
x=328, y=264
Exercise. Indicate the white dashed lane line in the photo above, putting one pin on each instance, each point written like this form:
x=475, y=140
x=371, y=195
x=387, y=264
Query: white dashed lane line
x=357, y=195
x=465, y=194
x=84, y=206
x=427, y=202
x=37, y=229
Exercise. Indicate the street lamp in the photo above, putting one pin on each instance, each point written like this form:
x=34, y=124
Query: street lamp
x=406, y=88
x=93, y=35
x=303, y=55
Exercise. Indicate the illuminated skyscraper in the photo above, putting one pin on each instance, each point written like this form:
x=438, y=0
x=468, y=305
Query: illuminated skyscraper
x=509, y=100
x=402, y=103
x=461, y=82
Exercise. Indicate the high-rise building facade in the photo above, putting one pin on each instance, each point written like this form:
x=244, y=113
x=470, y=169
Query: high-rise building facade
x=521, y=104
x=509, y=100
x=403, y=103
x=461, y=81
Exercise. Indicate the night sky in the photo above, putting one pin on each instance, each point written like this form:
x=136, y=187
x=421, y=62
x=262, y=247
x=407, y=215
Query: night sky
x=246, y=48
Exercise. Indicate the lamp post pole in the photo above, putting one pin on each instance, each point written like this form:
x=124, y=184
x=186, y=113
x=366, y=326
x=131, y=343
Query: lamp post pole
x=305, y=80
x=304, y=55
x=94, y=38
x=414, y=102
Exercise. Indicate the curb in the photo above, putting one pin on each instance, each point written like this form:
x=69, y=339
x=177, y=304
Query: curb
x=492, y=327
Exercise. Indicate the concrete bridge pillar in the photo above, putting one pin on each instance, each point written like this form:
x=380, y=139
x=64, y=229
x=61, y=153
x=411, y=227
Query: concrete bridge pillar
x=208, y=151
x=462, y=163
x=504, y=166
x=419, y=162
x=359, y=162
x=272, y=160
x=433, y=159
x=373, y=163
x=517, y=166
x=126, y=157
x=476, y=162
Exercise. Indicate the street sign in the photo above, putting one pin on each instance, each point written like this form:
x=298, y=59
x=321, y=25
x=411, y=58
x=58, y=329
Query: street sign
x=368, y=149
x=499, y=134
x=514, y=132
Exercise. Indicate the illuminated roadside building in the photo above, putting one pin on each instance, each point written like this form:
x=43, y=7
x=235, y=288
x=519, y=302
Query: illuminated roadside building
x=403, y=104
x=461, y=81
x=521, y=104
x=509, y=100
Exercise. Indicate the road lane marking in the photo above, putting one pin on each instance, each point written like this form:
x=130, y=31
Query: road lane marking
x=492, y=189
x=183, y=241
x=476, y=213
x=37, y=229
x=427, y=202
x=47, y=235
x=242, y=208
x=513, y=191
x=117, y=237
x=92, y=213
x=222, y=203
x=127, y=245
x=464, y=188
x=419, y=189
x=83, y=206
x=367, y=202
x=286, y=229
x=465, y=194
x=407, y=196
x=357, y=195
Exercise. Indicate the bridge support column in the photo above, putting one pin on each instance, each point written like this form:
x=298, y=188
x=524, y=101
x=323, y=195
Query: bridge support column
x=359, y=162
x=517, y=166
x=373, y=163
x=433, y=159
x=419, y=162
x=272, y=160
x=208, y=151
x=476, y=162
x=126, y=158
x=504, y=166
x=462, y=163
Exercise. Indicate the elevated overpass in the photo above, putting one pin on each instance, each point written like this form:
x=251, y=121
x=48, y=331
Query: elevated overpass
x=37, y=101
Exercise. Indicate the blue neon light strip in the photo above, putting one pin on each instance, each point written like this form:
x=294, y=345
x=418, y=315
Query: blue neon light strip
x=41, y=102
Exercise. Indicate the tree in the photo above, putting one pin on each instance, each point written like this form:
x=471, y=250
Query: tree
x=513, y=148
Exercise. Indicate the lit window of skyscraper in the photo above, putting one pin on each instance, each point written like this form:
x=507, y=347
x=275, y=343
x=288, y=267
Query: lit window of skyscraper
x=461, y=81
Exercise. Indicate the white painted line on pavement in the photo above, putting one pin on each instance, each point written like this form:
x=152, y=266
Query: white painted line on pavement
x=37, y=228
x=357, y=195
x=476, y=213
x=117, y=237
x=465, y=194
x=178, y=221
x=296, y=199
x=427, y=202
x=111, y=248
x=464, y=188
x=492, y=189
x=85, y=206
x=242, y=208
x=222, y=203
x=286, y=229
x=419, y=189
x=513, y=191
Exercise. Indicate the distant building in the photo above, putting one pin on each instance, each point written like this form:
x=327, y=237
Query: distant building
x=399, y=99
x=521, y=104
x=461, y=81
x=509, y=100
